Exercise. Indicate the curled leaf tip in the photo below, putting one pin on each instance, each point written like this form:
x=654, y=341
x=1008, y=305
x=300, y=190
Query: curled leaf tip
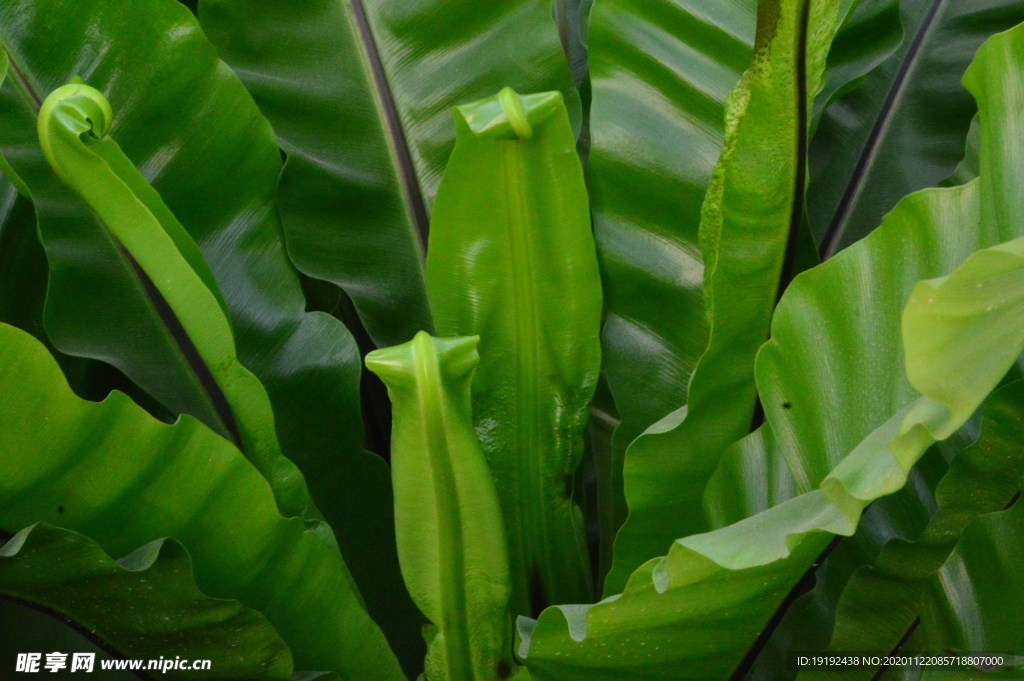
x=514, y=113
x=508, y=115
x=80, y=108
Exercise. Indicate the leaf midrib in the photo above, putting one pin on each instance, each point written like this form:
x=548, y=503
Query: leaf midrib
x=856, y=184
x=398, y=142
x=451, y=544
x=527, y=448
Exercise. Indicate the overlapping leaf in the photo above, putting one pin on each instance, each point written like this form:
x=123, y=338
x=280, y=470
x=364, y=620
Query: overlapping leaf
x=360, y=95
x=695, y=612
x=902, y=129
x=882, y=601
x=126, y=604
x=215, y=164
x=749, y=229
x=512, y=260
x=661, y=72
x=701, y=606
x=113, y=473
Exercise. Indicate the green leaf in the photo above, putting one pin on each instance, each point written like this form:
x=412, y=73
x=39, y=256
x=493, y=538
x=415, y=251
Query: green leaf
x=695, y=613
x=215, y=164
x=700, y=607
x=512, y=261
x=855, y=368
x=882, y=600
x=360, y=94
x=661, y=72
x=749, y=225
x=22, y=262
x=125, y=604
x=869, y=32
x=74, y=127
x=974, y=602
x=451, y=539
x=113, y=473
x=903, y=128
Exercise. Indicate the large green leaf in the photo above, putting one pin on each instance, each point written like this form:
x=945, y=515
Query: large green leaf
x=125, y=604
x=451, y=537
x=661, y=71
x=512, y=261
x=215, y=164
x=749, y=228
x=699, y=608
x=360, y=94
x=903, y=128
x=113, y=473
x=734, y=578
x=881, y=601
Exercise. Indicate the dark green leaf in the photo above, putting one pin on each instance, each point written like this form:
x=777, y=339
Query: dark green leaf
x=903, y=128
x=126, y=605
x=360, y=95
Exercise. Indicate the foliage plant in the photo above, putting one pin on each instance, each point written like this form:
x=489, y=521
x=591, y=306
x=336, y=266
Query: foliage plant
x=538, y=339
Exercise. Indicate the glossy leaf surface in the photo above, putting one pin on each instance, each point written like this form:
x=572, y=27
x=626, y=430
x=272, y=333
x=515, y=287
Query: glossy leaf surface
x=859, y=363
x=512, y=260
x=360, y=94
x=693, y=613
x=451, y=538
x=736, y=576
x=986, y=565
x=215, y=164
x=749, y=225
x=661, y=71
x=125, y=604
x=113, y=473
x=903, y=128
x=350, y=202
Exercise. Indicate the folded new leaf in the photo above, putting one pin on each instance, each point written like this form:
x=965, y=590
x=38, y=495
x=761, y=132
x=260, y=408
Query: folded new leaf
x=74, y=125
x=451, y=538
x=512, y=260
